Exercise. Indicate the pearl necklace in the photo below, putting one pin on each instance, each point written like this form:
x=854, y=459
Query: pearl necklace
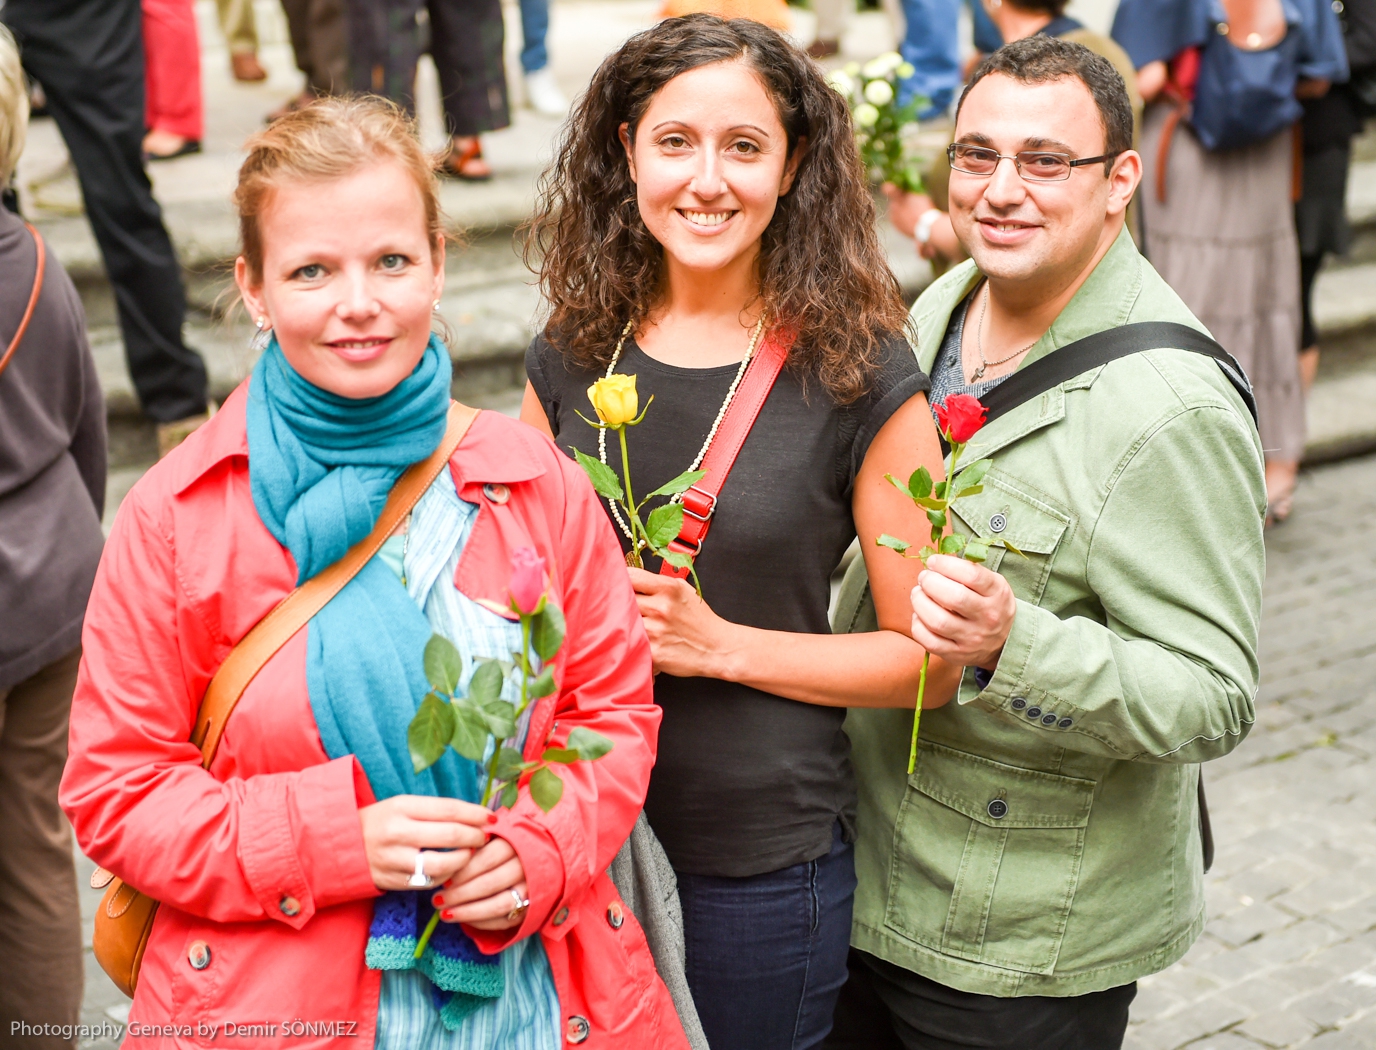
x=721, y=414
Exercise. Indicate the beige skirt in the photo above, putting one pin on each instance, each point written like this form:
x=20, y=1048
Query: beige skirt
x=1224, y=239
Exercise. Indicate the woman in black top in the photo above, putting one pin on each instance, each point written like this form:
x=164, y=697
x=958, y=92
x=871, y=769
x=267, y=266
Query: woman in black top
x=708, y=187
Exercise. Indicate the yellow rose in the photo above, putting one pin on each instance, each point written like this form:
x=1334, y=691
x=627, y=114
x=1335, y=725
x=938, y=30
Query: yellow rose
x=614, y=399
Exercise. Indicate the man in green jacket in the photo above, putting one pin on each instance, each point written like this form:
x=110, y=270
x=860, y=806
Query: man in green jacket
x=1046, y=853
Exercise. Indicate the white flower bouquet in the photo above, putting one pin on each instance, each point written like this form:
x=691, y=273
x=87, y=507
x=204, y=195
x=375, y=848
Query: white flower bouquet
x=882, y=127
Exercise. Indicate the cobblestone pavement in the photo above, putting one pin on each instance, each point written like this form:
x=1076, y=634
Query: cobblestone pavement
x=1289, y=955
x=1288, y=958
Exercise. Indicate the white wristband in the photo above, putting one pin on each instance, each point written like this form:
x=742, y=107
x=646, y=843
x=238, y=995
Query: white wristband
x=923, y=231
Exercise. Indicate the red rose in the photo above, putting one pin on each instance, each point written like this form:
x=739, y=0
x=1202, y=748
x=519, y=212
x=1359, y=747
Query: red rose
x=959, y=417
x=527, y=579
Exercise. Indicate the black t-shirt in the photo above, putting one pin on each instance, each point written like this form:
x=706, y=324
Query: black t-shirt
x=746, y=782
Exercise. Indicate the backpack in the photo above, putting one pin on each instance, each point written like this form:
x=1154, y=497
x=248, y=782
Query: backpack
x=1241, y=96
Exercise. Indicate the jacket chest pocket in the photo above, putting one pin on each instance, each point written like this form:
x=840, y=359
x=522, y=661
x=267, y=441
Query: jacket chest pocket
x=986, y=859
x=1004, y=511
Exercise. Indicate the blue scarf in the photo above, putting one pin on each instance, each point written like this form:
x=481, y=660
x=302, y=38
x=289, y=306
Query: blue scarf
x=320, y=468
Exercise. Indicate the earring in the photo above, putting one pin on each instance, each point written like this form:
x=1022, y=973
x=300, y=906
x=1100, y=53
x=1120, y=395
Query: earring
x=260, y=339
x=437, y=306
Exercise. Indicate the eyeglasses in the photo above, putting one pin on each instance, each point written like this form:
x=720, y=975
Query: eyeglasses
x=1032, y=165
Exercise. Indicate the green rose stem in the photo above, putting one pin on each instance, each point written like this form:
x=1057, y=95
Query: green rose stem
x=917, y=714
x=937, y=530
x=497, y=747
x=636, y=527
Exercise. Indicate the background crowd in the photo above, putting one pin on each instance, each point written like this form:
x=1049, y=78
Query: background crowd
x=1237, y=215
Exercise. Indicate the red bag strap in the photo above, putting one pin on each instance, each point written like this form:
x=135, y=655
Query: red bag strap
x=700, y=501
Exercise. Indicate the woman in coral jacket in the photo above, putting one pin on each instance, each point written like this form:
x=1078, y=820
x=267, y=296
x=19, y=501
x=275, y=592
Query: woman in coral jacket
x=283, y=870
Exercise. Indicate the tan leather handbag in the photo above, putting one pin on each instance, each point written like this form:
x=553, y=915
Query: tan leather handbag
x=125, y=916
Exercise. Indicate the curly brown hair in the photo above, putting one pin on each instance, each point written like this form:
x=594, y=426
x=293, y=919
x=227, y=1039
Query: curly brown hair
x=821, y=268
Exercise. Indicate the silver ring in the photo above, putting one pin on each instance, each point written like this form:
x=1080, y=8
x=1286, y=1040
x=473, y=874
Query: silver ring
x=521, y=904
x=419, y=879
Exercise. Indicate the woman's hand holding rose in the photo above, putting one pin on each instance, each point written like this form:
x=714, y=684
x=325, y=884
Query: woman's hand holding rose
x=480, y=895
x=395, y=829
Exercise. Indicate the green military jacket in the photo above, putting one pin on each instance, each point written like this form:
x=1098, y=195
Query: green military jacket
x=1048, y=842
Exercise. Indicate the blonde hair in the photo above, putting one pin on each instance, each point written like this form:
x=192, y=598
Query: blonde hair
x=14, y=106
x=329, y=139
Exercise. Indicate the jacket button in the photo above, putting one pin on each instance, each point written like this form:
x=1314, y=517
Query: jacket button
x=198, y=955
x=289, y=906
x=1048, y=719
x=615, y=916
x=1065, y=723
x=577, y=1029
x=1034, y=712
x=998, y=523
x=1019, y=702
x=498, y=494
x=998, y=809
x=559, y=918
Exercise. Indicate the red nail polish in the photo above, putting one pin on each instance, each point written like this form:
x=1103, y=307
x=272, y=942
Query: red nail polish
x=492, y=818
x=438, y=900
x=446, y=915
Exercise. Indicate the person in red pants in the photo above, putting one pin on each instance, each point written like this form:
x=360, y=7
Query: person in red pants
x=172, y=70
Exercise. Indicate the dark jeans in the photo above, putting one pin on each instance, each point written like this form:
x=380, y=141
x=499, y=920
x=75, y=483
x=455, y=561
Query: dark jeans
x=885, y=1007
x=767, y=953
x=88, y=55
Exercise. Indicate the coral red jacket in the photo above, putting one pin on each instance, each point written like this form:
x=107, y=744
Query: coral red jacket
x=261, y=858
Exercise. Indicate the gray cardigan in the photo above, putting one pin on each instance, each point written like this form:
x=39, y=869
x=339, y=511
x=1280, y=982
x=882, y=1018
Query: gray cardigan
x=52, y=464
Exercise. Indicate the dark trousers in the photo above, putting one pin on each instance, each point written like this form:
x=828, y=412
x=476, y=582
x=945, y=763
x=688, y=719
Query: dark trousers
x=320, y=41
x=40, y=916
x=885, y=1007
x=466, y=38
x=88, y=55
x=767, y=954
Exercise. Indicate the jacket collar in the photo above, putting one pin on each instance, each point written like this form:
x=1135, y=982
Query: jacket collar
x=488, y=454
x=224, y=437
x=1104, y=301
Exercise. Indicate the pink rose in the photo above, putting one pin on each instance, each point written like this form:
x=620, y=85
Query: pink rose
x=527, y=585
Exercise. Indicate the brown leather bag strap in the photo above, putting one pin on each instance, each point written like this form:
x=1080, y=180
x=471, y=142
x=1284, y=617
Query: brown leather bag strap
x=294, y=611
x=33, y=297
x=1163, y=148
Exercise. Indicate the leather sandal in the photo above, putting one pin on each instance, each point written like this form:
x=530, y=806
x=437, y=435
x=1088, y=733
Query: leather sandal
x=453, y=165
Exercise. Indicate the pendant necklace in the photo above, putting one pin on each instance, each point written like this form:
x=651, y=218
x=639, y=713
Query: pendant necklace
x=721, y=414
x=979, y=341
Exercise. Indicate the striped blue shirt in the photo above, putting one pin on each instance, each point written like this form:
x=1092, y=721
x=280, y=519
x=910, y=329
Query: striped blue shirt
x=526, y=1016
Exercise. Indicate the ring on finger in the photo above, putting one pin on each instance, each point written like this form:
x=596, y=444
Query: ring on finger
x=418, y=878
x=522, y=903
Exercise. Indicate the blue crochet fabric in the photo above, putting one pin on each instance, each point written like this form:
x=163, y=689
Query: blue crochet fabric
x=462, y=975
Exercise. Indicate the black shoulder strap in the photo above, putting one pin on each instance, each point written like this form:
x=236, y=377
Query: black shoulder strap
x=1079, y=357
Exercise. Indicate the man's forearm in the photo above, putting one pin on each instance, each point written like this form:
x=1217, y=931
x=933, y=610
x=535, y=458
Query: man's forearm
x=1111, y=696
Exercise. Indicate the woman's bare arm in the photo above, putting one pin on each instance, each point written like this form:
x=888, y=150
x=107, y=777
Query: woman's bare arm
x=533, y=412
x=878, y=669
